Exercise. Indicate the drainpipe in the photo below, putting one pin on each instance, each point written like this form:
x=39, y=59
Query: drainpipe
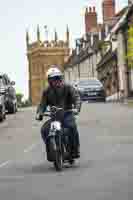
x=92, y=66
x=78, y=67
x=78, y=71
x=118, y=87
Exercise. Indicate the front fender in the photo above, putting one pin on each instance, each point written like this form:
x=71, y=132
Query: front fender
x=51, y=149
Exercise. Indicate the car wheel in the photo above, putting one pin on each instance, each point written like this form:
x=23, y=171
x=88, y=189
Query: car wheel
x=2, y=116
x=16, y=108
x=104, y=100
x=12, y=109
x=4, y=113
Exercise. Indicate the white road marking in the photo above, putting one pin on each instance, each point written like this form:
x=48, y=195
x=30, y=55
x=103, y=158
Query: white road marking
x=5, y=163
x=30, y=148
x=11, y=177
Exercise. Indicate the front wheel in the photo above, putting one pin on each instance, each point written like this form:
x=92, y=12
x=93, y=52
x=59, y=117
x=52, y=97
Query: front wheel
x=58, y=163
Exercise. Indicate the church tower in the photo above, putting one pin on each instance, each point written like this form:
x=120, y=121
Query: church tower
x=41, y=55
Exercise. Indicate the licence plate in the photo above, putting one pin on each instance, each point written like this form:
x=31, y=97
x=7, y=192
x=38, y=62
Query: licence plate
x=92, y=94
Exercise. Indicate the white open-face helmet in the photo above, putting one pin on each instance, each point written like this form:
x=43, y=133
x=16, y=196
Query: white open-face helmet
x=54, y=72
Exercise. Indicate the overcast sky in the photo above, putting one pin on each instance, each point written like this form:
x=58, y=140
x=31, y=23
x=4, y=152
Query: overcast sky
x=17, y=16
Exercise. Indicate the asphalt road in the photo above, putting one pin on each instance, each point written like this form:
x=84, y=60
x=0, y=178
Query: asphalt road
x=104, y=171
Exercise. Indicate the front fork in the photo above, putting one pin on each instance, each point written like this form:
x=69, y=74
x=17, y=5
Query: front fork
x=53, y=145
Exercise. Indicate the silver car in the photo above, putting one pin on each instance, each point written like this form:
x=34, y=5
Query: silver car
x=91, y=90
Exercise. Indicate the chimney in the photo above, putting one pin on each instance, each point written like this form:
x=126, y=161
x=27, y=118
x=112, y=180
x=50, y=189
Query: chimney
x=86, y=11
x=90, y=19
x=108, y=7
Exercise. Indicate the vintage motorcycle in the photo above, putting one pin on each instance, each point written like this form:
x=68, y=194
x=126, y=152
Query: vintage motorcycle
x=57, y=143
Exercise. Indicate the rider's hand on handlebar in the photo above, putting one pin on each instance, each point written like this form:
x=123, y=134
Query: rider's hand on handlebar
x=75, y=111
x=39, y=117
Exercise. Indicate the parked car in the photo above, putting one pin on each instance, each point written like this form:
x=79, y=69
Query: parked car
x=2, y=101
x=91, y=89
x=10, y=96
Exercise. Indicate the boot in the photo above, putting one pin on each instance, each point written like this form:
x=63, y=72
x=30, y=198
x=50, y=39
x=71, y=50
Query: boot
x=76, y=152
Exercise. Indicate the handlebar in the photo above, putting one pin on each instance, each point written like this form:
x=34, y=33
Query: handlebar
x=47, y=114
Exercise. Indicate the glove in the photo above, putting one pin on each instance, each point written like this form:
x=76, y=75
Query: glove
x=75, y=111
x=39, y=117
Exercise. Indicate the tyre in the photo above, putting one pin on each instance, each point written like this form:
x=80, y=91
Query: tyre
x=51, y=149
x=12, y=109
x=58, y=163
x=2, y=115
x=1, y=118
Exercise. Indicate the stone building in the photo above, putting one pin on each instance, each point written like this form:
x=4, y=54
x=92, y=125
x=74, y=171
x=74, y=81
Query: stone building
x=113, y=68
x=41, y=55
x=108, y=74
x=84, y=64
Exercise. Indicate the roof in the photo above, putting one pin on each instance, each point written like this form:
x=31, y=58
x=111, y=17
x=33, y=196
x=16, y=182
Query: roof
x=123, y=20
x=121, y=12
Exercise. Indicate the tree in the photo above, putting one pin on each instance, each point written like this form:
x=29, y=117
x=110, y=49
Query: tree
x=130, y=46
x=26, y=103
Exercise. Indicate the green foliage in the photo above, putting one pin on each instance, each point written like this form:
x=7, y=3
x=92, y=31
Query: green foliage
x=26, y=103
x=130, y=46
x=21, y=103
x=103, y=46
x=19, y=98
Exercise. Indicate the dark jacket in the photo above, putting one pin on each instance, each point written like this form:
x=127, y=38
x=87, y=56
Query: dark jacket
x=66, y=97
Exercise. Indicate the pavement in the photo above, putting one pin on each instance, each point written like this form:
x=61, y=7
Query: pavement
x=104, y=171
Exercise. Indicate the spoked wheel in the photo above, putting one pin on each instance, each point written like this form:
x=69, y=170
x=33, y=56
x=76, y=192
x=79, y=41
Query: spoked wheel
x=58, y=163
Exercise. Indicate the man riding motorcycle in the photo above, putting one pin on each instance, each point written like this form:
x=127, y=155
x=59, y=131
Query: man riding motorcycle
x=65, y=96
